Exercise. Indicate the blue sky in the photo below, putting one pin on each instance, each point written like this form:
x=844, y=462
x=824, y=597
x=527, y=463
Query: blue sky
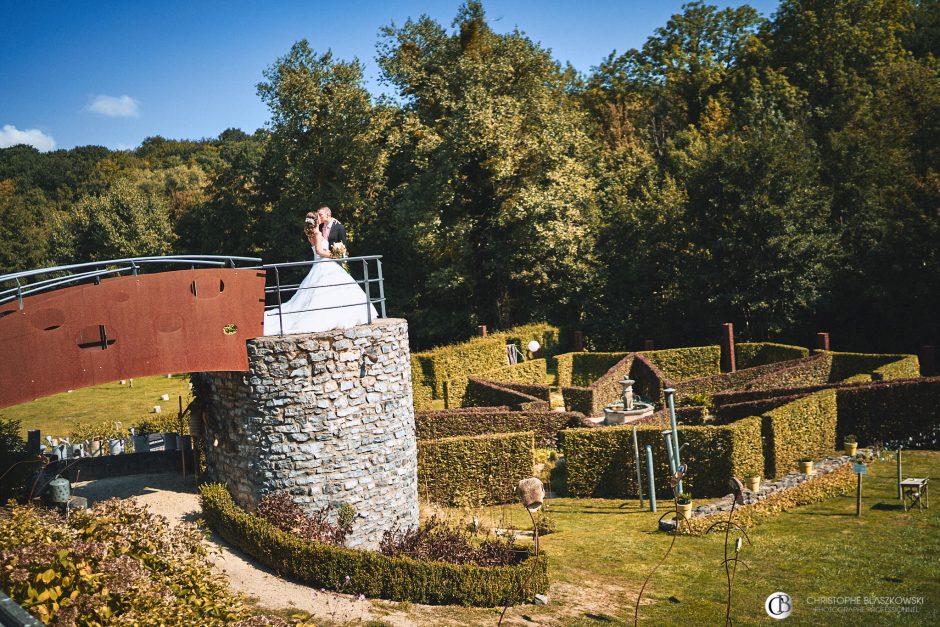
x=113, y=72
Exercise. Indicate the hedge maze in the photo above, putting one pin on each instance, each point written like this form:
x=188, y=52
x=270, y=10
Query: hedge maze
x=783, y=403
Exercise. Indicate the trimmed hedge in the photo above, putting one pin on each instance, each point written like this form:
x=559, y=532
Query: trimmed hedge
x=421, y=391
x=878, y=367
x=649, y=380
x=478, y=355
x=679, y=364
x=600, y=462
x=757, y=376
x=485, y=393
x=751, y=354
x=474, y=470
x=582, y=369
x=804, y=427
x=369, y=573
x=533, y=372
x=814, y=490
x=548, y=336
x=606, y=389
x=813, y=370
x=528, y=373
x=484, y=420
x=905, y=411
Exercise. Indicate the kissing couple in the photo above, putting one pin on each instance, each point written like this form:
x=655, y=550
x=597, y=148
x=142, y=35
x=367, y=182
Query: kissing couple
x=328, y=297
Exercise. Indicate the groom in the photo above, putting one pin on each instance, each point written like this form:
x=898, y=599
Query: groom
x=332, y=229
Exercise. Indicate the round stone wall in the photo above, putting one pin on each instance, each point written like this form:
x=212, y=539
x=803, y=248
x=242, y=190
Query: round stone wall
x=327, y=417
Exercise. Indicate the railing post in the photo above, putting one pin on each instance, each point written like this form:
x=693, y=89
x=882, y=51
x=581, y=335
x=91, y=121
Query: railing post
x=19, y=293
x=378, y=263
x=280, y=314
x=365, y=274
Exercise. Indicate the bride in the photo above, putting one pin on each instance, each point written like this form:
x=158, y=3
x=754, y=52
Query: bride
x=328, y=298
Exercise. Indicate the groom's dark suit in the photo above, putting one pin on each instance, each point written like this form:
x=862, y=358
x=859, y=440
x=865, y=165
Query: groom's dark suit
x=337, y=234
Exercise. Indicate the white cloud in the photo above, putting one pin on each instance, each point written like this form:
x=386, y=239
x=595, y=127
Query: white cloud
x=114, y=106
x=11, y=136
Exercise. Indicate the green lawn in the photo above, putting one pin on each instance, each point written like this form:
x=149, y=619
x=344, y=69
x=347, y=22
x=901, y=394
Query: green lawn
x=605, y=548
x=55, y=415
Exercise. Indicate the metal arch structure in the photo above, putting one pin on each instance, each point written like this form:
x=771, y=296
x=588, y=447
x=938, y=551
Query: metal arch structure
x=69, y=327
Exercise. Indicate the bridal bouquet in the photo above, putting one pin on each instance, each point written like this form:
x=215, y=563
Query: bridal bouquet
x=338, y=251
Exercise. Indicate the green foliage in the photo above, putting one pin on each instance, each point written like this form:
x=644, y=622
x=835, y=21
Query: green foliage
x=494, y=163
x=601, y=462
x=902, y=412
x=162, y=423
x=802, y=428
x=123, y=221
x=679, y=364
x=367, y=572
x=113, y=562
x=484, y=393
x=446, y=369
x=602, y=386
x=480, y=421
x=101, y=430
x=475, y=470
x=532, y=371
x=583, y=369
x=808, y=370
x=750, y=354
x=877, y=366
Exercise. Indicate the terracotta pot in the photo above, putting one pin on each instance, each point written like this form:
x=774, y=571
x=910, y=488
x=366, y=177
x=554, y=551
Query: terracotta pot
x=850, y=448
x=752, y=483
x=806, y=468
x=685, y=511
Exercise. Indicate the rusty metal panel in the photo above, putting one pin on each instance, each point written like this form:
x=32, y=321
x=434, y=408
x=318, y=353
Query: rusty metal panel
x=130, y=326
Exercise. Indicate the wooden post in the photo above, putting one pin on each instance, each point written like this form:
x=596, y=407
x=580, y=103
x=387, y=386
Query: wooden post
x=822, y=341
x=578, y=341
x=727, y=348
x=481, y=330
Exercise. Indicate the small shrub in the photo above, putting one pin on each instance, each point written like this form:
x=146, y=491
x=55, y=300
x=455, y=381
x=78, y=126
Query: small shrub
x=279, y=510
x=112, y=563
x=850, y=439
x=683, y=498
x=545, y=524
x=161, y=423
x=435, y=540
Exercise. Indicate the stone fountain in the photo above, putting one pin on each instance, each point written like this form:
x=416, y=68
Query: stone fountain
x=627, y=409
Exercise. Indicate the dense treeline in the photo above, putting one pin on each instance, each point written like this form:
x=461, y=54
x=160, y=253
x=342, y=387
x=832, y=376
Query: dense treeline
x=781, y=174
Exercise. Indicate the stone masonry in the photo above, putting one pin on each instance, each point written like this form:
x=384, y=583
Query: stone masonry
x=327, y=417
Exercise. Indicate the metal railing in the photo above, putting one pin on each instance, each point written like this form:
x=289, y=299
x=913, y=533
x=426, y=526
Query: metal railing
x=30, y=282
x=278, y=289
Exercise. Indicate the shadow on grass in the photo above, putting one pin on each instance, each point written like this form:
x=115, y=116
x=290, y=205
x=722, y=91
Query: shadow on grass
x=888, y=507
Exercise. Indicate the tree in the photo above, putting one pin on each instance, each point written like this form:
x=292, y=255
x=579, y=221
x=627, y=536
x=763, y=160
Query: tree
x=492, y=185
x=122, y=222
x=326, y=146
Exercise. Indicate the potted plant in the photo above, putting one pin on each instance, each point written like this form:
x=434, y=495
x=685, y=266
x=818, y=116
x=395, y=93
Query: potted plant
x=806, y=465
x=851, y=445
x=684, y=505
x=752, y=480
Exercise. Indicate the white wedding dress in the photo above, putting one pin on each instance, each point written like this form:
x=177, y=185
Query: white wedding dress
x=326, y=285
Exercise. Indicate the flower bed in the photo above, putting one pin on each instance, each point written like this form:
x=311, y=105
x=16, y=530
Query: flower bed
x=370, y=573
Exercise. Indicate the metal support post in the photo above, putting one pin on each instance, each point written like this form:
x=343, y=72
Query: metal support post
x=639, y=478
x=650, y=477
x=671, y=400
